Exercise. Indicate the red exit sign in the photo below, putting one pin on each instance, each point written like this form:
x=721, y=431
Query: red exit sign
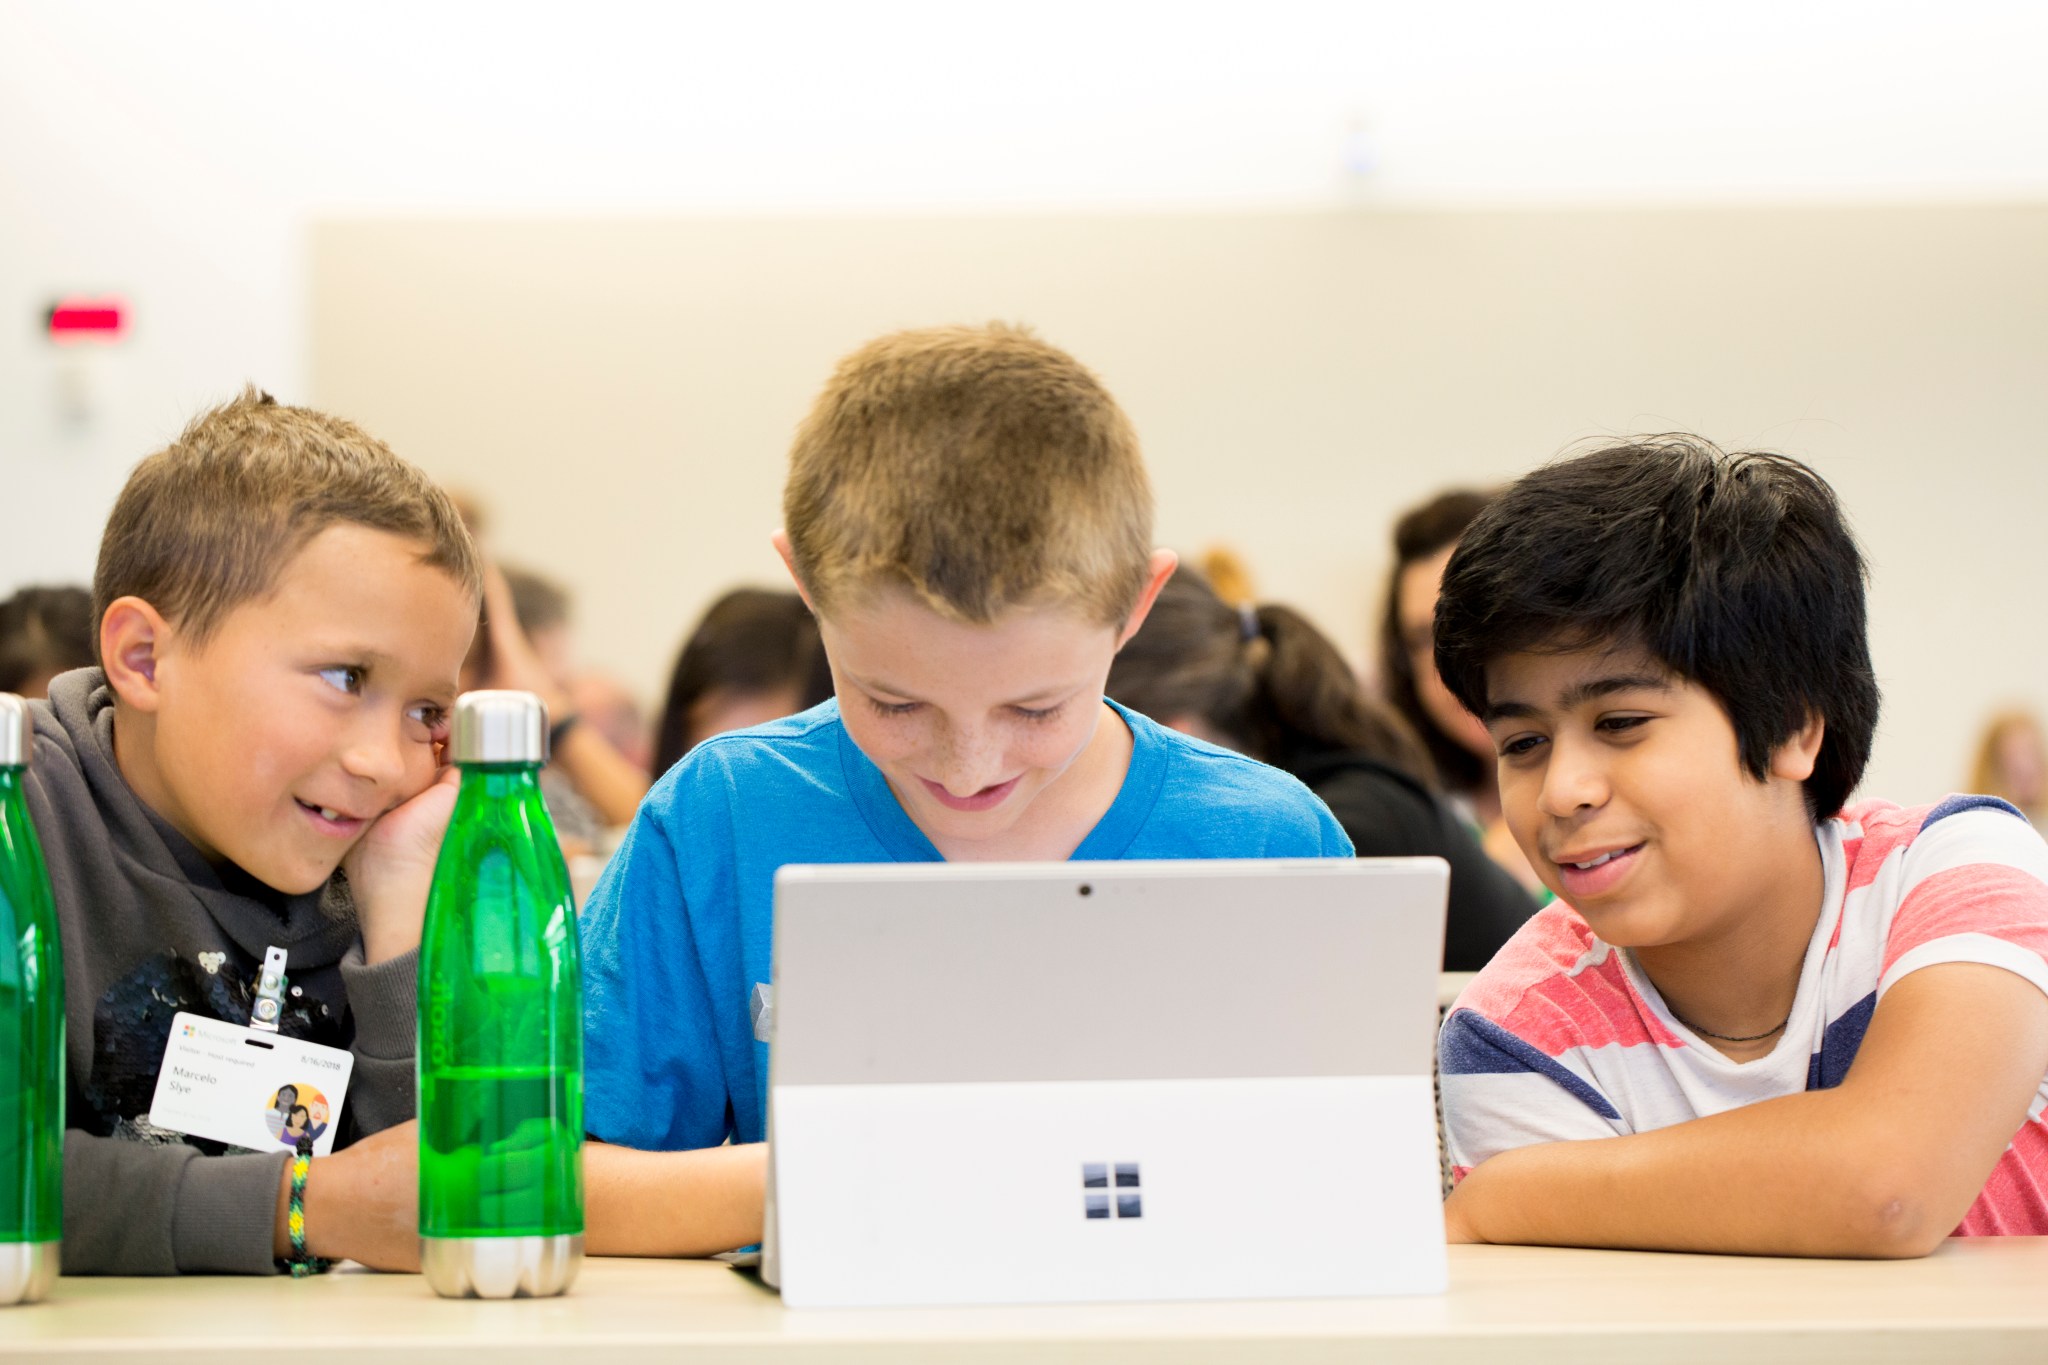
x=86, y=320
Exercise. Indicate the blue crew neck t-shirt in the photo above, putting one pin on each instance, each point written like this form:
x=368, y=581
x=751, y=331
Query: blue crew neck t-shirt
x=676, y=935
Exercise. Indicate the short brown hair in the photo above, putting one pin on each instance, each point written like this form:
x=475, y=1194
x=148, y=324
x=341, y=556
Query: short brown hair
x=207, y=523
x=977, y=466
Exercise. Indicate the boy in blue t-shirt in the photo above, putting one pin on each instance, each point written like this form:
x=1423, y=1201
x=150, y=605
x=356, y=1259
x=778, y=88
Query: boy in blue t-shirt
x=968, y=516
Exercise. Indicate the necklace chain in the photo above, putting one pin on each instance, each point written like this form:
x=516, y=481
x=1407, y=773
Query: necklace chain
x=1725, y=1038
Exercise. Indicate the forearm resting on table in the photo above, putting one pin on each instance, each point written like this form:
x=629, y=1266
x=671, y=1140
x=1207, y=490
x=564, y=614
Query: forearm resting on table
x=1762, y=1180
x=695, y=1203
x=1886, y=1164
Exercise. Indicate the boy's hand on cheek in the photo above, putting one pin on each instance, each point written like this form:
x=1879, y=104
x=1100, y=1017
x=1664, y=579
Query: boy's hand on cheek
x=392, y=865
x=362, y=1203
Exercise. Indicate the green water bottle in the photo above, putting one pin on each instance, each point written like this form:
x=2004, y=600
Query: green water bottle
x=501, y=1024
x=31, y=1035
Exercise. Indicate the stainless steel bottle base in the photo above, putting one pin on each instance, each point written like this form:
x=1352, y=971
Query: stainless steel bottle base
x=27, y=1270
x=501, y=1267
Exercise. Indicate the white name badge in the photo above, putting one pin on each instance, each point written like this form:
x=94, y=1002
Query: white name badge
x=249, y=1088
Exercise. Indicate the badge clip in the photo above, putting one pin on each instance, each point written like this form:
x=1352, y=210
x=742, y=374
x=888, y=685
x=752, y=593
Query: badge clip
x=269, y=1006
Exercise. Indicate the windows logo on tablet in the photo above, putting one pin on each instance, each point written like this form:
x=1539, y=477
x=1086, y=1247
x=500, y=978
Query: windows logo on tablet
x=1129, y=1201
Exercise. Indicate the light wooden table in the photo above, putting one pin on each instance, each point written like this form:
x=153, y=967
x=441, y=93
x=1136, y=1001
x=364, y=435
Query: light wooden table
x=1983, y=1299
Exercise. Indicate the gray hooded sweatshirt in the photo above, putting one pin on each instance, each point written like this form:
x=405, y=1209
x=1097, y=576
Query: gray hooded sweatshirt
x=151, y=928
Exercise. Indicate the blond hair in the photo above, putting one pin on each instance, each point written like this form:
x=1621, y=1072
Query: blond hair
x=208, y=522
x=977, y=466
x=1988, y=774
x=1229, y=576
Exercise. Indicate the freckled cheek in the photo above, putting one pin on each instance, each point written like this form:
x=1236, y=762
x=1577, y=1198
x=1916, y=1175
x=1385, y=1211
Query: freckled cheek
x=1049, y=750
x=883, y=741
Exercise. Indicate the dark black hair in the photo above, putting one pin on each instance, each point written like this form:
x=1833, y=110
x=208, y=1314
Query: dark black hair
x=45, y=631
x=1737, y=572
x=1263, y=677
x=751, y=640
x=1419, y=533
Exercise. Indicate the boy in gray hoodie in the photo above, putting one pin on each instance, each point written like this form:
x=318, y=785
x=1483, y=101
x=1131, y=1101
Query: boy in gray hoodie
x=282, y=607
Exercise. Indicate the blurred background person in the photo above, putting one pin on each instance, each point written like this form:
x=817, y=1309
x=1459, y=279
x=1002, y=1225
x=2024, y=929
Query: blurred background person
x=543, y=608
x=2012, y=762
x=609, y=707
x=1264, y=681
x=546, y=612
x=581, y=760
x=755, y=656
x=525, y=641
x=43, y=632
x=1458, y=747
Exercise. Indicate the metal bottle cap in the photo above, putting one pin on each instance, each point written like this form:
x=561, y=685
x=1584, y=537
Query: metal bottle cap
x=499, y=727
x=17, y=739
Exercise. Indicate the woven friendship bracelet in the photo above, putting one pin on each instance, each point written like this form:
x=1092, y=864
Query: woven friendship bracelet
x=300, y=1264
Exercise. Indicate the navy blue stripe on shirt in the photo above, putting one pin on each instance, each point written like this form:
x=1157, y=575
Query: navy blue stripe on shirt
x=1838, y=1046
x=1956, y=805
x=1473, y=1045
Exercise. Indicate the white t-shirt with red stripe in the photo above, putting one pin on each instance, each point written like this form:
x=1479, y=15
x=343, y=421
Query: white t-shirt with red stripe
x=1562, y=1036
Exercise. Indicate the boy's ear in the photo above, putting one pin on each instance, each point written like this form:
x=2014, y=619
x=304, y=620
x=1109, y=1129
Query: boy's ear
x=1164, y=562
x=1795, y=759
x=780, y=540
x=132, y=635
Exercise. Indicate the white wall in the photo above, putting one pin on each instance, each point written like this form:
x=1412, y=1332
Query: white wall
x=623, y=392
x=176, y=154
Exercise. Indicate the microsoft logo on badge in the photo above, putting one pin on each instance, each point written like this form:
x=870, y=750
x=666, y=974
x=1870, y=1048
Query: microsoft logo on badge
x=1129, y=1201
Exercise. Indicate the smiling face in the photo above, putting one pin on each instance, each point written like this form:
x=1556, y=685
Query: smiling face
x=988, y=734
x=307, y=713
x=1622, y=783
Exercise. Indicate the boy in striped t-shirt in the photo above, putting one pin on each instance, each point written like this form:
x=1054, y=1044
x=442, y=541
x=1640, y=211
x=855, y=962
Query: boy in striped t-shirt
x=1754, y=1021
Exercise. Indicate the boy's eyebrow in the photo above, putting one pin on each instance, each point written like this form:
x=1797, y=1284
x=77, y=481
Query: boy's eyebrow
x=1578, y=694
x=354, y=654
